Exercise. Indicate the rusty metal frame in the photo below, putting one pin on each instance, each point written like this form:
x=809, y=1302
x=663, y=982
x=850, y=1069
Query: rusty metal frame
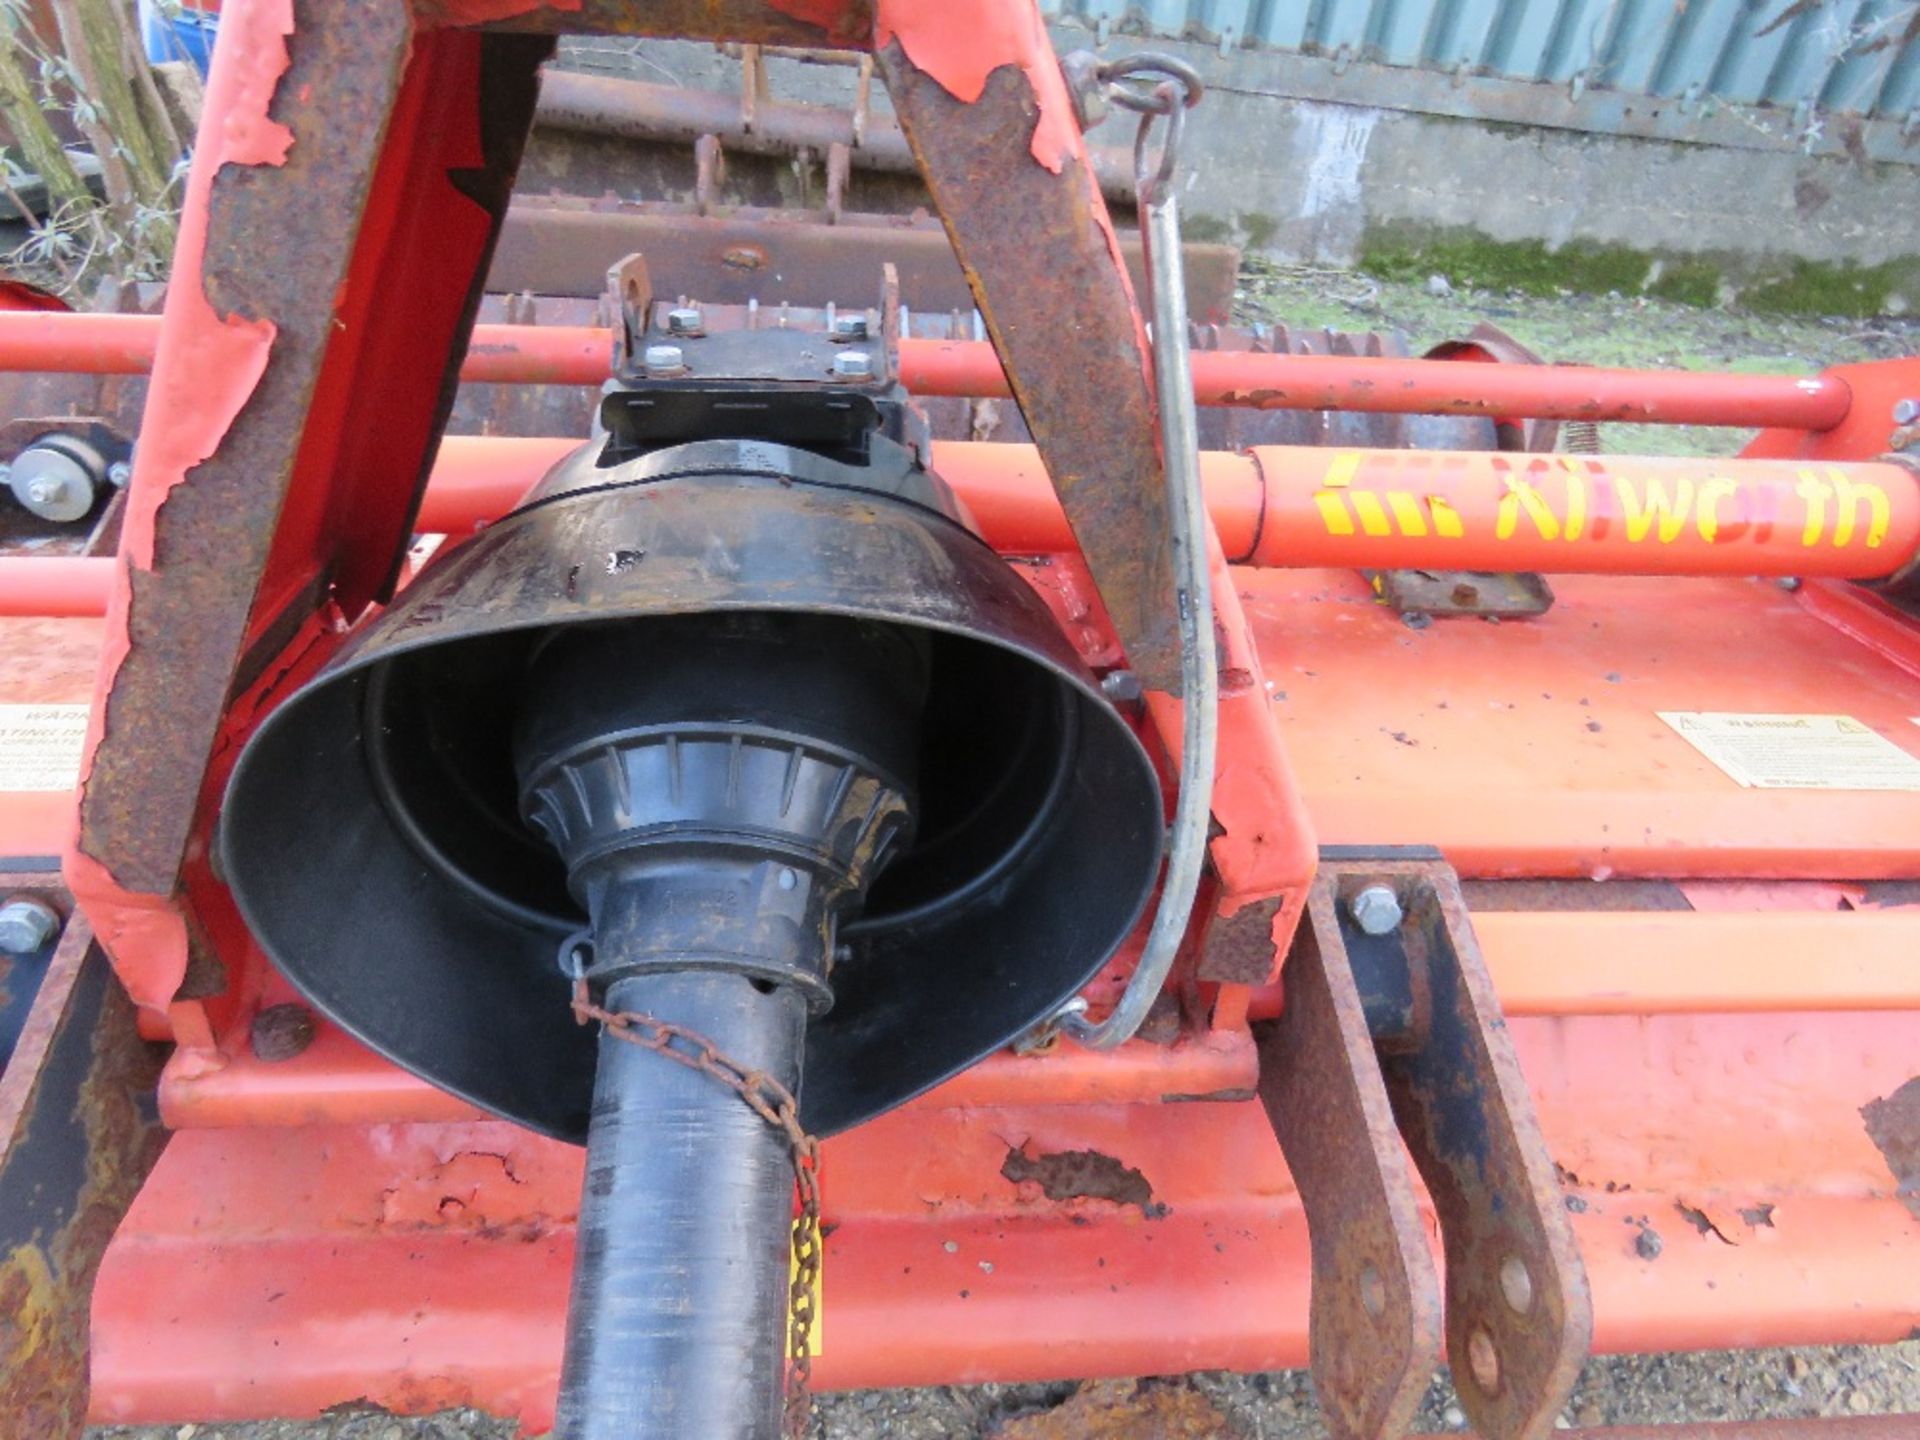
x=1403, y=1030
x=77, y=1138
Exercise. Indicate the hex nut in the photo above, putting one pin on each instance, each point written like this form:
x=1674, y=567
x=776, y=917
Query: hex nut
x=1376, y=910
x=664, y=359
x=853, y=365
x=27, y=924
x=56, y=480
x=850, y=327
x=685, y=321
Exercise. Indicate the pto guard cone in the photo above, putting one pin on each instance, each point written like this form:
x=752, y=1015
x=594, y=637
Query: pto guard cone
x=370, y=831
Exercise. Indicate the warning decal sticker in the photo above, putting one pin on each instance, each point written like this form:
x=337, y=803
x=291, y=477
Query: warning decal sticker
x=40, y=746
x=1797, y=752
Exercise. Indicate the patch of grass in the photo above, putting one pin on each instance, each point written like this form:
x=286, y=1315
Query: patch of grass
x=1761, y=285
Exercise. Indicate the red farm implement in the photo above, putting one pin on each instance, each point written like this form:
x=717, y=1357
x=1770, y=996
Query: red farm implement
x=1246, y=856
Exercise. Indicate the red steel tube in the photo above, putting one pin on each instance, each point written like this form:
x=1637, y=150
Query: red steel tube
x=1306, y=507
x=1248, y=379
x=77, y=342
x=578, y=355
x=1586, y=514
x=54, y=585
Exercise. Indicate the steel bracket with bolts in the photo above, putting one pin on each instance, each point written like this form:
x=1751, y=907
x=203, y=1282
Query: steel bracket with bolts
x=1392, y=1036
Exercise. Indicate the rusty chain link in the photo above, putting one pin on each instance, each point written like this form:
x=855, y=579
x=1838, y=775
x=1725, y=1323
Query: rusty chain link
x=773, y=1103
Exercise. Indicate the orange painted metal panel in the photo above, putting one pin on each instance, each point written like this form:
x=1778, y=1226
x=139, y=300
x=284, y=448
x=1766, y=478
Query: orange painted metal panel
x=1535, y=748
x=276, y=1271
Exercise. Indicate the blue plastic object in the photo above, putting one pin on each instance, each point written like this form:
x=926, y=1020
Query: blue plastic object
x=172, y=31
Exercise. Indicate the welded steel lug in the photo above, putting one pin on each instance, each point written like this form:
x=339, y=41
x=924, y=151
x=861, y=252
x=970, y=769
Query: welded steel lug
x=1087, y=83
x=1375, y=1328
x=1518, y=1313
x=1406, y=1017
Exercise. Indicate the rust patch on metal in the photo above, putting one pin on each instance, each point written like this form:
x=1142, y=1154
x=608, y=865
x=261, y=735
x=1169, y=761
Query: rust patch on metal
x=1127, y=1410
x=1231, y=1094
x=1239, y=947
x=1082, y=1175
x=278, y=241
x=74, y=1148
x=1041, y=264
x=1893, y=1124
x=1702, y=1222
x=281, y=241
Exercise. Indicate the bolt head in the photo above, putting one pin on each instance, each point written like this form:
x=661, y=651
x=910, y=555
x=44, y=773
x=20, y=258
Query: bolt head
x=664, y=359
x=26, y=925
x=850, y=327
x=1122, y=687
x=119, y=473
x=52, y=482
x=853, y=365
x=1376, y=910
x=684, y=321
x=1905, y=412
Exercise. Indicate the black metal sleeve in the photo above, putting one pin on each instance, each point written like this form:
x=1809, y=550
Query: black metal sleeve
x=676, y=1323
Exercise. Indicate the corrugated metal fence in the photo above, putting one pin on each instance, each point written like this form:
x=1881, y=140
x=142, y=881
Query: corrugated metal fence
x=1858, y=56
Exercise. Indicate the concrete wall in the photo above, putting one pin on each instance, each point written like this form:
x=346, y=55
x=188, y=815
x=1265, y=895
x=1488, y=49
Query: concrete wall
x=1492, y=181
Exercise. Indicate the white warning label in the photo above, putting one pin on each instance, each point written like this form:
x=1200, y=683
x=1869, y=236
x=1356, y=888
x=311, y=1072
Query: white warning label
x=40, y=746
x=1797, y=752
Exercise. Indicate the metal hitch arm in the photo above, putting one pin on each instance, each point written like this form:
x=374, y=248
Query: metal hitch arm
x=1391, y=1022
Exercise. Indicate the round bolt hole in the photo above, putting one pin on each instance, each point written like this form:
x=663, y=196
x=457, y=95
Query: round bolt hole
x=1516, y=1284
x=1373, y=1292
x=1484, y=1360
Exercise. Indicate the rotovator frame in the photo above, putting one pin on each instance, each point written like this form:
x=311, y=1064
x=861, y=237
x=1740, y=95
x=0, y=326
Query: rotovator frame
x=735, y=740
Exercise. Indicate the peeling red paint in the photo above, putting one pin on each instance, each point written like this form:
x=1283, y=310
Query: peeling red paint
x=205, y=369
x=960, y=45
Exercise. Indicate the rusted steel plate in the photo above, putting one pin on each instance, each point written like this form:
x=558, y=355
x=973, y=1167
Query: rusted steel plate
x=1375, y=1323
x=1519, y=1317
x=75, y=1143
x=1893, y=1124
x=563, y=247
x=822, y=24
x=1239, y=948
x=1037, y=250
x=277, y=244
x=240, y=548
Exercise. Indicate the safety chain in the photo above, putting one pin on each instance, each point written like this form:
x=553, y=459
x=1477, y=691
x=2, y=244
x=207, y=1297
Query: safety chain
x=773, y=1103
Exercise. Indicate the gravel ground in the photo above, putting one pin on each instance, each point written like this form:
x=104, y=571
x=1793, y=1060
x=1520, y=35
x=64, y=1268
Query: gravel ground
x=1603, y=330
x=1618, y=1390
